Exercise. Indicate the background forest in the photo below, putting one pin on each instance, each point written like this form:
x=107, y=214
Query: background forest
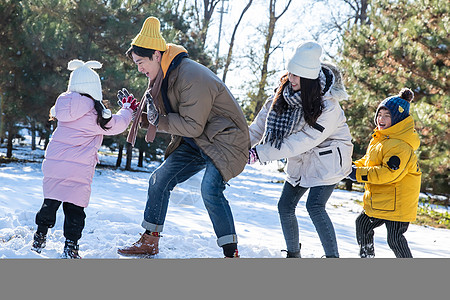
x=381, y=47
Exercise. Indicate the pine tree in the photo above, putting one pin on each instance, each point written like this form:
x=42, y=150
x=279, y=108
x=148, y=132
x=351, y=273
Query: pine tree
x=39, y=38
x=11, y=71
x=405, y=44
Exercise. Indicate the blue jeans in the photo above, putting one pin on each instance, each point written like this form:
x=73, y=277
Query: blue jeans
x=182, y=164
x=315, y=205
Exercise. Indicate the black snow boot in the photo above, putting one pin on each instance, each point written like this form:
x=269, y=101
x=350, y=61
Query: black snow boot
x=39, y=241
x=293, y=254
x=71, y=250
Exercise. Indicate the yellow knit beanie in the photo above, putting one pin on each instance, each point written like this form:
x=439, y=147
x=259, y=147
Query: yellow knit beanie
x=150, y=37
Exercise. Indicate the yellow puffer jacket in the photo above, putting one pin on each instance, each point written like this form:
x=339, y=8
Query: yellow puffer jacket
x=391, y=173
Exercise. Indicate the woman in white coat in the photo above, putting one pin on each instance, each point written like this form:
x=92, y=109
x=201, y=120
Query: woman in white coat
x=304, y=123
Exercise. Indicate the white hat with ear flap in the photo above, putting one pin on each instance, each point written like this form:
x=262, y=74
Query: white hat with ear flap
x=306, y=60
x=85, y=80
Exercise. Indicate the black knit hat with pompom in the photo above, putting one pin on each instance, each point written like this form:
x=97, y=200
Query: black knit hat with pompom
x=398, y=106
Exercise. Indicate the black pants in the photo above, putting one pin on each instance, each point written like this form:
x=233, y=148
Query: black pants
x=74, y=217
x=395, y=238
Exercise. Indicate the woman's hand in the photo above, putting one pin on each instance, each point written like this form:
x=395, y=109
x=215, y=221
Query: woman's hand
x=252, y=156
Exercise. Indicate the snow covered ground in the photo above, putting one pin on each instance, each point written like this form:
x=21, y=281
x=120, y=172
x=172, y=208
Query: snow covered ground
x=118, y=198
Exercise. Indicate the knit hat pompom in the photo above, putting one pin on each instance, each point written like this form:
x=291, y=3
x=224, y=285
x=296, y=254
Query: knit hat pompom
x=406, y=94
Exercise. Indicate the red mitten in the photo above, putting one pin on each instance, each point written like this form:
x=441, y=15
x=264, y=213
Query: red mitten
x=130, y=102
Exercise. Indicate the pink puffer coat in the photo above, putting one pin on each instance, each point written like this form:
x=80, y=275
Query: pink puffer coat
x=71, y=155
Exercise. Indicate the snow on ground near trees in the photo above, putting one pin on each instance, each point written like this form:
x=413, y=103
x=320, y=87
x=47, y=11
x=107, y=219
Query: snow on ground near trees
x=118, y=198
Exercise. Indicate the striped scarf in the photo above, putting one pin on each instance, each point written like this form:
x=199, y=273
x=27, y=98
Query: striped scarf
x=279, y=126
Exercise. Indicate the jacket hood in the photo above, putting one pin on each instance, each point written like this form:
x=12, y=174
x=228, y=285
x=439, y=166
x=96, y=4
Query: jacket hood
x=403, y=130
x=333, y=85
x=168, y=56
x=71, y=106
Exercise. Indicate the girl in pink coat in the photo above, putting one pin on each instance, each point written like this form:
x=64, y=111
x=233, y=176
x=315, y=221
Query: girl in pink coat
x=71, y=155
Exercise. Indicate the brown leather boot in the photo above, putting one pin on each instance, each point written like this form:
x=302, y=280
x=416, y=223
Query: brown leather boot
x=147, y=245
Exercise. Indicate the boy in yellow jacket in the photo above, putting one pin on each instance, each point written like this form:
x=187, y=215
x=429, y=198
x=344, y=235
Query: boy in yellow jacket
x=391, y=175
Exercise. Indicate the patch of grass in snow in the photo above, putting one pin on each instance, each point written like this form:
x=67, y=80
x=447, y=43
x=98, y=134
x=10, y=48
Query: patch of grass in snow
x=4, y=159
x=360, y=202
x=429, y=217
x=426, y=216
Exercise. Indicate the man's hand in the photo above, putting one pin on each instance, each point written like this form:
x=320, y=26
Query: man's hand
x=152, y=112
x=252, y=156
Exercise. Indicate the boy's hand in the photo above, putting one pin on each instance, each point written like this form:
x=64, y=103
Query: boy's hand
x=352, y=175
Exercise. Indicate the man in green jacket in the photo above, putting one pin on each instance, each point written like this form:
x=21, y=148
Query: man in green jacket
x=208, y=128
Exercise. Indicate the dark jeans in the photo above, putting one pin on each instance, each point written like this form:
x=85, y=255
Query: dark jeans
x=315, y=205
x=74, y=217
x=365, y=226
x=182, y=164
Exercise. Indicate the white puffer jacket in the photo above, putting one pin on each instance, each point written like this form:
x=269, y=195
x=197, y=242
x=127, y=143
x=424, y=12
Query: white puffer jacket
x=318, y=155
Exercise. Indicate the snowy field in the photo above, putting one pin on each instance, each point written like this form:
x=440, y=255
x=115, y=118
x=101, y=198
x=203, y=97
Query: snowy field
x=118, y=198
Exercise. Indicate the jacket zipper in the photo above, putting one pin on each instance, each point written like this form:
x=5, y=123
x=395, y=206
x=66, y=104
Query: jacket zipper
x=340, y=156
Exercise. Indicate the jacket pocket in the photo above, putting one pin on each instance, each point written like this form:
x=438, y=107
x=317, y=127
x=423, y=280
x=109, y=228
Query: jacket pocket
x=221, y=129
x=384, y=198
x=328, y=162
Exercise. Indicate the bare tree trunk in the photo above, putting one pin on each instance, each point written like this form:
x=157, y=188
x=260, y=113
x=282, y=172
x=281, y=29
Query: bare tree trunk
x=2, y=122
x=261, y=95
x=119, y=156
x=9, y=144
x=129, y=156
x=141, y=158
x=49, y=127
x=208, y=10
x=33, y=134
x=359, y=8
x=363, y=18
x=233, y=36
x=336, y=26
x=183, y=9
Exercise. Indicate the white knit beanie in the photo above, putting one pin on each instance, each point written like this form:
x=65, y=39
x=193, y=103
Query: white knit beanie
x=84, y=80
x=306, y=60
